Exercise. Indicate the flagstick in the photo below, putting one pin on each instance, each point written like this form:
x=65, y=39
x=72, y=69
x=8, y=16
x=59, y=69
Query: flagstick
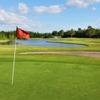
x=13, y=63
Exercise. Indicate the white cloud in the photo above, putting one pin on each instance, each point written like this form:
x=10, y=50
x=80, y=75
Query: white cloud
x=53, y=9
x=23, y=8
x=11, y=19
x=76, y=3
x=80, y=3
x=94, y=8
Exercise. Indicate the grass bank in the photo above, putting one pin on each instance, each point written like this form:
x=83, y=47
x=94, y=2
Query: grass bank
x=92, y=45
x=86, y=41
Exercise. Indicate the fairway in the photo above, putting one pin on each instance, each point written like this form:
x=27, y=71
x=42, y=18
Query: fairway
x=46, y=77
x=45, y=73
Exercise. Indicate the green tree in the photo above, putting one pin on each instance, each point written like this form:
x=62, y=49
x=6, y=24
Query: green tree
x=61, y=33
x=97, y=33
x=54, y=33
x=90, y=31
x=47, y=35
x=71, y=32
x=80, y=33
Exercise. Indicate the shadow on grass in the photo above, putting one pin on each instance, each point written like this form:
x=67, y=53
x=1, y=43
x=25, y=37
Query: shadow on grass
x=4, y=83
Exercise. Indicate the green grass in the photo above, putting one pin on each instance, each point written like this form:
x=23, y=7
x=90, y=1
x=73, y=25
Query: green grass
x=3, y=41
x=50, y=77
x=86, y=41
x=92, y=44
x=46, y=77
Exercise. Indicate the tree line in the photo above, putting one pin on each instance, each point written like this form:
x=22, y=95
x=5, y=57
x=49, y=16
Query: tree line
x=90, y=32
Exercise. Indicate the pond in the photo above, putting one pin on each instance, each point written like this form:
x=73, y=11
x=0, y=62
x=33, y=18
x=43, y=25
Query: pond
x=45, y=43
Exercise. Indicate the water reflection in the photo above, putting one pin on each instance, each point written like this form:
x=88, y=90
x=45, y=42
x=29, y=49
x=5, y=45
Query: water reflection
x=41, y=43
x=45, y=43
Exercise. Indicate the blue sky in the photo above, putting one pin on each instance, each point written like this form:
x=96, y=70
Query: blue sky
x=47, y=16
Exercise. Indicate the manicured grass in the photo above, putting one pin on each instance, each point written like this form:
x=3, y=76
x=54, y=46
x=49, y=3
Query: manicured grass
x=50, y=77
x=92, y=44
x=46, y=77
x=87, y=41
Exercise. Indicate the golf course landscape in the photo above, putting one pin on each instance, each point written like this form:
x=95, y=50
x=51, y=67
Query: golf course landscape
x=50, y=76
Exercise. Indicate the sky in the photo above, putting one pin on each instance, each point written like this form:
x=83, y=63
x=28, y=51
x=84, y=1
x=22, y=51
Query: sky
x=49, y=15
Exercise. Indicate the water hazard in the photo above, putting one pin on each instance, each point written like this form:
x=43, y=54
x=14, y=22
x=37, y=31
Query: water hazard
x=45, y=43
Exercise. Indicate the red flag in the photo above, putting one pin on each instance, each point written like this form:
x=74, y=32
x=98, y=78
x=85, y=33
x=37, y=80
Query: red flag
x=22, y=34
